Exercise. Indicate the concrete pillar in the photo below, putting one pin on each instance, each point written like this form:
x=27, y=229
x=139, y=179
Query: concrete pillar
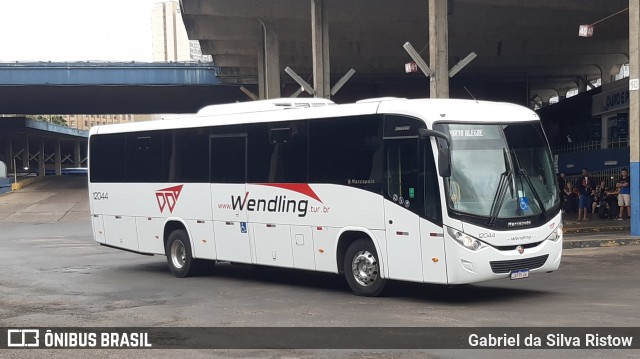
x=604, y=132
x=581, y=81
x=41, y=166
x=634, y=114
x=77, y=160
x=25, y=153
x=605, y=71
x=545, y=99
x=262, y=92
x=270, y=61
x=439, y=48
x=8, y=153
x=320, y=47
x=562, y=95
x=58, y=158
x=609, y=72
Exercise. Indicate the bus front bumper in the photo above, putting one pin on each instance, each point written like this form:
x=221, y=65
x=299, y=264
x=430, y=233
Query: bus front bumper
x=466, y=266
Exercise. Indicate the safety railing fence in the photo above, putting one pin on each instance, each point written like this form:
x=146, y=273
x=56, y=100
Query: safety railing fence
x=590, y=146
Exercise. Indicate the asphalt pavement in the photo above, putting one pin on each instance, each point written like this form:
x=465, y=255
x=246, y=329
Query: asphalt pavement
x=50, y=200
x=55, y=275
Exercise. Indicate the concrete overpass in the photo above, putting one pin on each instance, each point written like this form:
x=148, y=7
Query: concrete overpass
x=525, y=48
x=108, y=88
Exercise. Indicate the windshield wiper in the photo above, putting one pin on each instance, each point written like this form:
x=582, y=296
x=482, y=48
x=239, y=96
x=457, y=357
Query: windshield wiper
x=498, y=199
x=524, y=175
x=505, y=180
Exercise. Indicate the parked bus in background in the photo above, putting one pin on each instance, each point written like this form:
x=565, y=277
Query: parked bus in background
x=435, y=191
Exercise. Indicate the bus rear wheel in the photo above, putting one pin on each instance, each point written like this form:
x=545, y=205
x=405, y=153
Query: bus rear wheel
x=180, y=257
x=362, y=269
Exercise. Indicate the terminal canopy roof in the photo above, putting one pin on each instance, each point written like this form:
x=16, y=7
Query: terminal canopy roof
x=535, y=43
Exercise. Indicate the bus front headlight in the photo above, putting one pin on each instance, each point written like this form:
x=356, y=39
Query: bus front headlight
x=556, y=234
x=465, y=240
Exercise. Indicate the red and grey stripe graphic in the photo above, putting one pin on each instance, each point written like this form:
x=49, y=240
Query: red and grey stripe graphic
x=302, y=188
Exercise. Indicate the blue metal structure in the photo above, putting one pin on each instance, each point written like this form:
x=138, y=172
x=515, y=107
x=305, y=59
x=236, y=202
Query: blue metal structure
x=33, y=146
x=111, y=88
x=108, y=73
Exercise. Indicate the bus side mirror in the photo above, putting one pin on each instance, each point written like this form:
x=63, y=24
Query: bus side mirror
x=444, y=154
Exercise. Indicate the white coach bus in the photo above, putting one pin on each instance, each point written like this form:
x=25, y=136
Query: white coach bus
x=435, y=191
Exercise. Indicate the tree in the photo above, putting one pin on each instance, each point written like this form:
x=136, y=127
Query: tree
x=54, y=119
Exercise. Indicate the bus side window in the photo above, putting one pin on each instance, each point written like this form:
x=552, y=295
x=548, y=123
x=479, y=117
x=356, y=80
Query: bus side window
x=184, y=154
x=290, y=153
x=226, y=168
x=347, y=151
x=411, y=178
x=402, y=174
x=431, y=186
x=144, y=156
x=277, y=152
x=108, y=154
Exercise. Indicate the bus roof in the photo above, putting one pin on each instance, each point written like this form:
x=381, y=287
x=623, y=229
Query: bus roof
x=264, y=105
x=429, y=110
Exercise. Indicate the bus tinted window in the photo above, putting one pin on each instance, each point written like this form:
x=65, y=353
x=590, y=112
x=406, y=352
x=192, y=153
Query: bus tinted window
x=107, y=156
x=431, y=188
x=347, y=151
x=259, y=153
x=228, y=158
x=144, y=157
x=278, y=152
x=188, y=155
x=402, y=173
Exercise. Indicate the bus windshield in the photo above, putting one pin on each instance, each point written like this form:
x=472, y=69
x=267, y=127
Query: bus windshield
x=500, y=170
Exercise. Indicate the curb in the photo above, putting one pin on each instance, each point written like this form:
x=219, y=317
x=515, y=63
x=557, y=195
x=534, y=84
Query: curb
x=596, y=243
x=606, y=229
x=23, y=183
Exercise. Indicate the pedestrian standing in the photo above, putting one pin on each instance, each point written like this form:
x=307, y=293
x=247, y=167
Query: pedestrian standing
x=562, y=181
x=585, y=185
x=624, y=195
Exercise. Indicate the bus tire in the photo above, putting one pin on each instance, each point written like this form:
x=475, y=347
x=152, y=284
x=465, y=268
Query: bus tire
x=180, y=257
x=362, y=269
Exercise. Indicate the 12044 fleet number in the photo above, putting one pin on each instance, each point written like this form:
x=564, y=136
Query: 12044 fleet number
x=98, y=196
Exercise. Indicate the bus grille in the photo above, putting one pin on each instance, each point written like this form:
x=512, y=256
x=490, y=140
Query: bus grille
x=508, y=266
x=510, y=248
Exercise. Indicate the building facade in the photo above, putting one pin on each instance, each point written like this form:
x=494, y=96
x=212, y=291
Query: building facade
x=85, y=122
x=169, y=44
x=169, y=36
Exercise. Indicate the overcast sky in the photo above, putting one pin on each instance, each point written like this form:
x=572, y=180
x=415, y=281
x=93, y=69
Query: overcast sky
x=75, y=30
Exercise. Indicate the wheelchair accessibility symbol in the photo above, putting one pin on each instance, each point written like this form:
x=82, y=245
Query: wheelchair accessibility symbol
x=524, y=203
x=243, y=227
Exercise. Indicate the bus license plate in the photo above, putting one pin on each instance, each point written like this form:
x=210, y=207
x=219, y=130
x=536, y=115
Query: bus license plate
x=520, y=274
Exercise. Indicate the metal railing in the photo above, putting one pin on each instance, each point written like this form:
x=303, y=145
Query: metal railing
x=590, y=146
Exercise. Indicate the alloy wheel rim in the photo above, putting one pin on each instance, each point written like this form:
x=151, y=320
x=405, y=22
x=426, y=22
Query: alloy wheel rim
x=178, y=254
x=364, y=268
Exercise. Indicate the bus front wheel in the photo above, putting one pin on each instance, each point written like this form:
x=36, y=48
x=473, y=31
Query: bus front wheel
x=362, y=269
x=179, y=255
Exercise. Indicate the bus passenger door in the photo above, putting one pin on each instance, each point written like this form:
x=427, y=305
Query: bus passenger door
x=401, y=205
x=434, y=264
x=228, y=172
